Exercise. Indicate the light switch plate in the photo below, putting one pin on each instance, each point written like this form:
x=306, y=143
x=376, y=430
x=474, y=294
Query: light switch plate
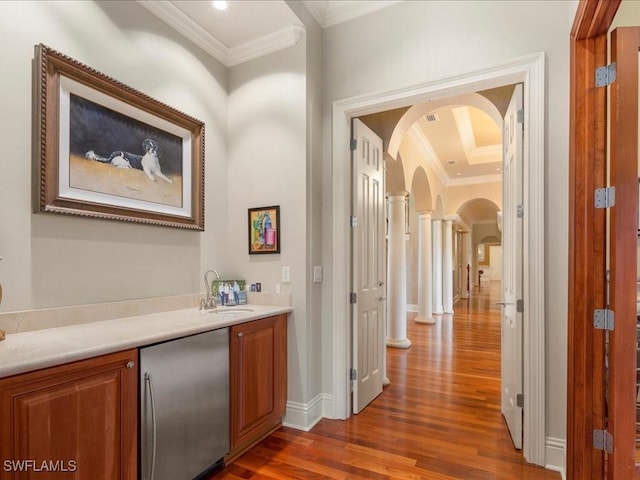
x=317, y=274
x=286, y=274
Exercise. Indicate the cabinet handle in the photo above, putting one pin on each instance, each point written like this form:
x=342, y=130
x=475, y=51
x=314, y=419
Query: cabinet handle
x=130, y=364
x=240, y=334
x=147, y=379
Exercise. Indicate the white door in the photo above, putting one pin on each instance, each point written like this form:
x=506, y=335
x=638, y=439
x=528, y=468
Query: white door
x=368, y=266
x=512, y=334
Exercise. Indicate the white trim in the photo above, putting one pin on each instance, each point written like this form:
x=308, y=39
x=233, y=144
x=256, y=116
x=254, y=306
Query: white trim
x=412, y=307
x=304, y=416
x=530, y=71
x=333, y=13
x=182, y=23
x=556, y=455
x=273, y=42
x=459, y=222
x=424, y=147
x=475, y=155
x=477, y=180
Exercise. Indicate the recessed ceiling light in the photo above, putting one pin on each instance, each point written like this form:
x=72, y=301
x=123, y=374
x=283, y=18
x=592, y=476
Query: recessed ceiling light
x=219, y=4
x=498, y=170
x=458, y=174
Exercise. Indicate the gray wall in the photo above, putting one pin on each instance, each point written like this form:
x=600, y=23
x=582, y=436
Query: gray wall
x=267, y=166
x=53, y=260
x=417, y=42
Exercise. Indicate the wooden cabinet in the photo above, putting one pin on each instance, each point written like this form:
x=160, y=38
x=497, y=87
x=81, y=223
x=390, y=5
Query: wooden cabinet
x=258, y=380
x=80, y=417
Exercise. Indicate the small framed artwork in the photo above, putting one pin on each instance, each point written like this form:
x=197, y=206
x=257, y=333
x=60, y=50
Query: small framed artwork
x=105, y=150
x=264, y=230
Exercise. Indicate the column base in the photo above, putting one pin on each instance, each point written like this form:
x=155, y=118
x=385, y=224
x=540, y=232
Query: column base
x=449, y=313
x=438, y=312
x=386, y=382
x=398, y=343
x=421, y=319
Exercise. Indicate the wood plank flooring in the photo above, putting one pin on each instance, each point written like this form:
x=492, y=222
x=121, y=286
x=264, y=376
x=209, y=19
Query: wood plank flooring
x=438, y=420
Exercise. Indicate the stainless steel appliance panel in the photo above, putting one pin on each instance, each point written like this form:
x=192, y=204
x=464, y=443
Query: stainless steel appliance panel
x=184, y=418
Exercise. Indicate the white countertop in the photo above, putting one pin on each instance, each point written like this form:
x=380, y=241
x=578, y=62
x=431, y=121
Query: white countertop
x=27, y=351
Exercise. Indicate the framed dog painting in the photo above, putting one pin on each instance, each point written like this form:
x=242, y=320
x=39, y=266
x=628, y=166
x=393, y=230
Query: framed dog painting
x=105, y=150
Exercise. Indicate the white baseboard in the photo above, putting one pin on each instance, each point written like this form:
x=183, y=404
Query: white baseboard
x=303, y=416
x=555, y=456
x=412, y=307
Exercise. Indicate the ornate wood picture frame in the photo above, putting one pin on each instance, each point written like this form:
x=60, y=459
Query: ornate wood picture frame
x=105, y=150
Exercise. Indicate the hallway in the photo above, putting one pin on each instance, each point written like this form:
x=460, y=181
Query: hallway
x=438, y=420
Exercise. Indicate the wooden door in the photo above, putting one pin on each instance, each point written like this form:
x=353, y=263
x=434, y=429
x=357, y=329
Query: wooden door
x=587, y=171
x=368, y=266
x=622, y=391
x=258, y=380
x=75, y=421
x=512, y=331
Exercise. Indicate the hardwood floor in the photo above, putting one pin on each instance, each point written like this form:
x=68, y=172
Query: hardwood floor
x=438, y=420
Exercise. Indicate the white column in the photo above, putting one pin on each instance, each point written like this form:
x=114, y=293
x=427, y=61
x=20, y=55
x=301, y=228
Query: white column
x=425, y=270
x=447, y=268
x=396, y=275
x=437, y=267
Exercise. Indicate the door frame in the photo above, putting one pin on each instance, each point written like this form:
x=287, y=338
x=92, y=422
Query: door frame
x=531, y=71
x=587, y=229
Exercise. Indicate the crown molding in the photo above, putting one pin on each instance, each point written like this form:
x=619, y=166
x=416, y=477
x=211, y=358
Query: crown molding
x=475, y=155
x=318, y=9
x=424, y=147
x=179, y=21
x=332, y=13
x=287, y=37
x=478, y=179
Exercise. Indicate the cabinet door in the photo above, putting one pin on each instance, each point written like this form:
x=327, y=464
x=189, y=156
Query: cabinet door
x=73, y=421
x=258, y=380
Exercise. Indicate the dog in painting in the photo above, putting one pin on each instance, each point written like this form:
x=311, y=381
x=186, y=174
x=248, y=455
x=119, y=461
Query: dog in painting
x=149, y=163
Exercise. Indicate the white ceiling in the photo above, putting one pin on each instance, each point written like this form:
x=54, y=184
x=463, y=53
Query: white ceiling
x=462, y=144
x=249, y=29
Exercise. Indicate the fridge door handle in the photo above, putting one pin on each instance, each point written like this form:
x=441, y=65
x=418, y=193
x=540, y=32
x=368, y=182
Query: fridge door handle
x=147, y=379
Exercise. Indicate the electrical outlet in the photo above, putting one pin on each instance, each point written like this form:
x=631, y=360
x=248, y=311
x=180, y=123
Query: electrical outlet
x=286, y=274
x=317, y=274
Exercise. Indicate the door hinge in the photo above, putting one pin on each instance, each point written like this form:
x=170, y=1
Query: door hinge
x=520, y=115
x=353, y=375
x=354, y=144
x=605, y=197
x=603, y=440
x=605, y=75
x=520, y=400
x=603, y=319
x=353, y=297
x=520, y=305
x=520, y=211
x=353, y=221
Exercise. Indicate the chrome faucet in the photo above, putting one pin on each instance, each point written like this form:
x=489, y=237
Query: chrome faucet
x=209, y=302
